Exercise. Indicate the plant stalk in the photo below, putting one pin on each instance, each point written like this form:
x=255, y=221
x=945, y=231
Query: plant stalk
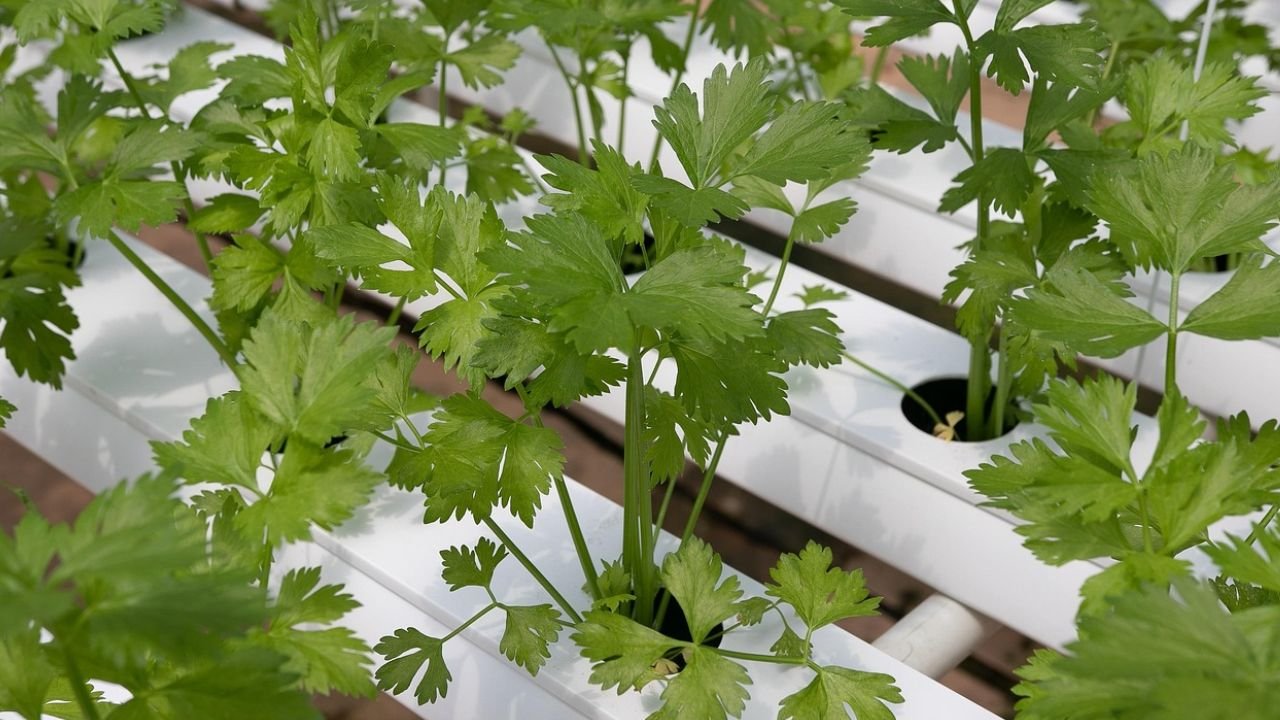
x=675, y=83
x=637, y=512
x=172, y=296
x=202, y=242
x=571, y=84
x=979, y=353
x=442, y=101
x=533, y=570
x=1171, y=349
x=915, y=396
x=470, y=621
x=1004, y=382
x=622, y=103
x=79, y=687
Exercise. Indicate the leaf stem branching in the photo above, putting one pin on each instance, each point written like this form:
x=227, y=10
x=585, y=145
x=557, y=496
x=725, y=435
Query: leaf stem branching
x=532, y=569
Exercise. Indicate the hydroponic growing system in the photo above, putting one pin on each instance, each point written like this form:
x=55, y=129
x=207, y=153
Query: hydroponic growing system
x=986, y=289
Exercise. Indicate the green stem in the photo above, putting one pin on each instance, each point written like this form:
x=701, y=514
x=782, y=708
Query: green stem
x=1004, y=382
x=202, y=242
x=532, y=569
x=924, y=404
x=782, y=269
x=470, y=621
x=394, y=442
x=1171, y=350
x=201, y=326
x=1106, y=73
x=1262, y=525
x=877, y=66
x=579, y=540
x=394, y=317
x=979, y=355
x=622, y=102
x=758, y=657
x=442, y=101
x=637, y=529
x=660, y=522
x=675, y=83
x=566, y=504
x=577, y=105
x=708, y=477
x=78, y=685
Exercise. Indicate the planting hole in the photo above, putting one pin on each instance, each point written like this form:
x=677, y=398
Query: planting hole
x=674, y=625
x=947, y=395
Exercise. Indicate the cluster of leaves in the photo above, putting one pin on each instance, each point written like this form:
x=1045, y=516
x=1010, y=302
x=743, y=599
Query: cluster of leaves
x=1083, y=497
x=131, y=594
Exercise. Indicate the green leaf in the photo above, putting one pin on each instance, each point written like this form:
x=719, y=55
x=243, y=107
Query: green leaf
x=224, y=446
x=605, y=195
x=729, y=382
x=905, y=18
x=407, y=651
x=821, y=594
x=623, y=652
x=1086, y=314
x=820, y=222
x=316, y=381
x=834, y=689
x=1157, y=654
x=36, y=324
x=1092, y=420
x=129, y=204
x=942, y=81
x=529, y=632
x=803, y=143
x=697, y=293
x=311, y=487
x=735, y=106
x=482, y=62
x=244, y=273
x=815, y=294
x=567, y=272
x=467, y=567
x=326, y=660
x=692, y=576
x=897, y=126
x=226, y=213
x=694, y=207
x=243, y=684
x=738, y=25
x=1244, y=308
x=189, y=69
x=1161, y=94
x=481, y=458
x=670, y=434
x=1258, y=566
x=7, y=409
x=1061, y=53
x=366, y=251
x=710, y=686
x=1004, y=178
x=334, y=152
x=1169, y=211
x=453, y=331
x=809, y=337
x=421, y=147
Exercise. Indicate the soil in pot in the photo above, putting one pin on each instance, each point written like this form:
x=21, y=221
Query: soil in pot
x=947, y=395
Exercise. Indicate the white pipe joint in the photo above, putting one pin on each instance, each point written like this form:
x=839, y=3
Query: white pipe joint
x=936, y=636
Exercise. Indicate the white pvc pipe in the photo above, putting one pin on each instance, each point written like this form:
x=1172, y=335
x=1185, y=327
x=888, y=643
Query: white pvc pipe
x=936, y=636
